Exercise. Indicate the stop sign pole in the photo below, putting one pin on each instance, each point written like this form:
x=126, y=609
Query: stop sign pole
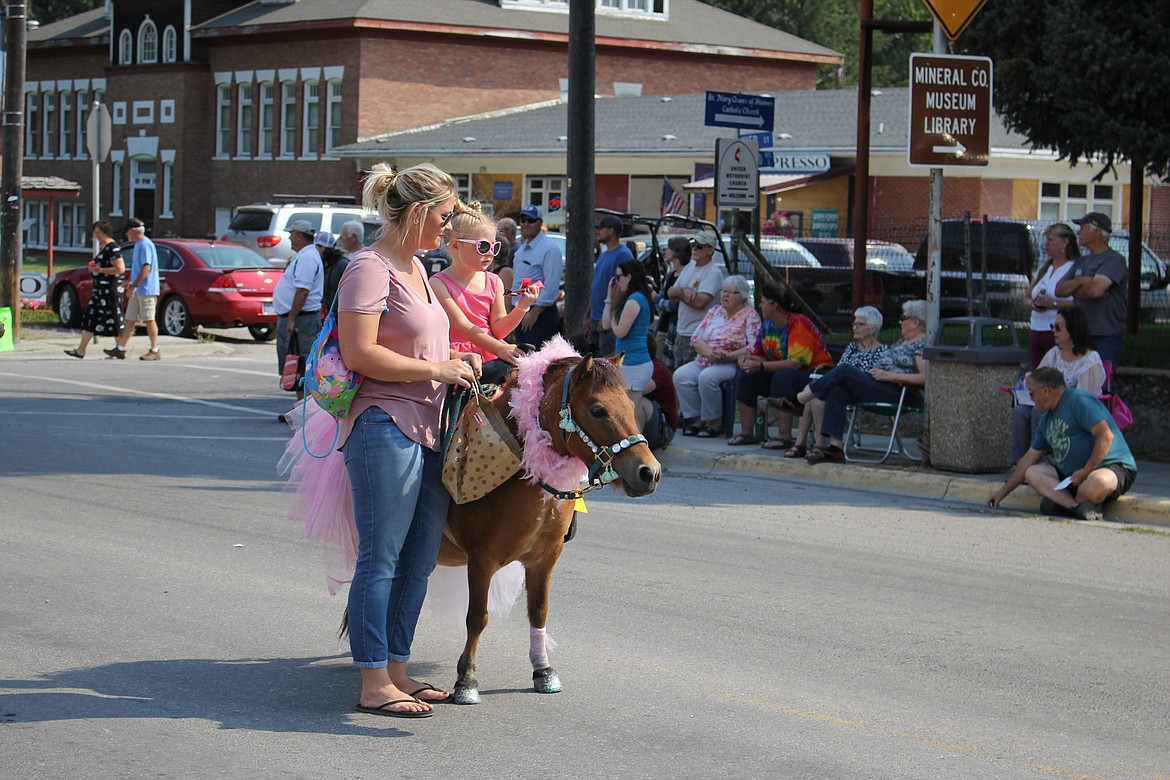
x=99, y=130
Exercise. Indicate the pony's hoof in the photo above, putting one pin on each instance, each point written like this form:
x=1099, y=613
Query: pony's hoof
x=465, y=696
x=546, y=681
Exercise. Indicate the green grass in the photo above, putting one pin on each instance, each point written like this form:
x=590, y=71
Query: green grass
x=40, y=264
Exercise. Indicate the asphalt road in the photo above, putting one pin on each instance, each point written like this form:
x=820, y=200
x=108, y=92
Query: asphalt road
x=162, y=619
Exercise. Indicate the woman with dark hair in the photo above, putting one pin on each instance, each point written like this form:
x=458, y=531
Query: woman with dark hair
x=627, y=313
x=1060, y=242
x=1074, y=357
x=787, y=350
x=103, y=314
x=677, y=254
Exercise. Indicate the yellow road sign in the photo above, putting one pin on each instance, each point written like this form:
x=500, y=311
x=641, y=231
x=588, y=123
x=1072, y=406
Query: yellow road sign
x=954, y=15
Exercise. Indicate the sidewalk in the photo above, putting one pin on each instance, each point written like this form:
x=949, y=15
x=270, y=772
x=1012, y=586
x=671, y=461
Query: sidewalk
x=1147, y=503
x=50, y=343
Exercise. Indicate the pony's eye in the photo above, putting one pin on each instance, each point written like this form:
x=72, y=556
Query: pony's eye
x=599, y=412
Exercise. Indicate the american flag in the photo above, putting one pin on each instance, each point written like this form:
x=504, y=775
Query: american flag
x=672, y=201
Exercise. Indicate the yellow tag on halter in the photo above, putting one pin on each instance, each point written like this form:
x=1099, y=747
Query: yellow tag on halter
x=579, y=506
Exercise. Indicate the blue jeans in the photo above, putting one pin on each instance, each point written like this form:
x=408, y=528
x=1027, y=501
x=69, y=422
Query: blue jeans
x=400, y=507
x=1109, y=348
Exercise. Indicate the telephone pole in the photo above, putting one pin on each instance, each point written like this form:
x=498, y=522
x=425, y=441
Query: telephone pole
x=12, y=131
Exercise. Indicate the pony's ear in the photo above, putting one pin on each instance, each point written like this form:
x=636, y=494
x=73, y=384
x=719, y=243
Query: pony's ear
x=587, y=364
x=618, y=358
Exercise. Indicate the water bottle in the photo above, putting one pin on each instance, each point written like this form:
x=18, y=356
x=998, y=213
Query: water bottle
x=761, y=430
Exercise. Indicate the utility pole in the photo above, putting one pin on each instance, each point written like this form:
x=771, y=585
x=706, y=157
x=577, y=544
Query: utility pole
x=580, y=166
x=12, y=131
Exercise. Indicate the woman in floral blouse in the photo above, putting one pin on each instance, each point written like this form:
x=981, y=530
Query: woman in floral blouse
x=787, y=350
x=727, y=332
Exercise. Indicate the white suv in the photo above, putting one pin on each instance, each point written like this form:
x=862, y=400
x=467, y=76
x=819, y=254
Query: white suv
x=263, y=226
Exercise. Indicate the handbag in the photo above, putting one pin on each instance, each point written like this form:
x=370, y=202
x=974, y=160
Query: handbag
x=479, y=452
x=293, y=369
x=327, y=379
x=1120, y=411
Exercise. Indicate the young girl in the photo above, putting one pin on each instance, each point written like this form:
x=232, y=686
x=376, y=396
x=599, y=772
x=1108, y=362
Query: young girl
x=474, y=298
x=627, y=313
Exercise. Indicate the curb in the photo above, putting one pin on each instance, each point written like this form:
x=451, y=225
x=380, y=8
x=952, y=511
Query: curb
x=921, y=483
x=170, y=347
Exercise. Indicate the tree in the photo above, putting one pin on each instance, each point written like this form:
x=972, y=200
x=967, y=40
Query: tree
x=1089, y=80
x=46, y=11
x=836, y=25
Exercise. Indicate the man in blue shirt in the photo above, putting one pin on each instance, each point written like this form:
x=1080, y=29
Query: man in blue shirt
x=538, y=259
x=608, y=233
x=1089, y=461
x=144, y=291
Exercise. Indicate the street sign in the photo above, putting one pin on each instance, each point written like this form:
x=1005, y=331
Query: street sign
x=792, y=161
x=950, y=111
x=99, y=133
x=737, y=176
x=763, y=141
x=954, y=15
x=745, y=112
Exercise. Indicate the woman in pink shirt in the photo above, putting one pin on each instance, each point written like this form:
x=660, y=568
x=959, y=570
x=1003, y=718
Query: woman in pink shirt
x=393, y=331
x=474, y=298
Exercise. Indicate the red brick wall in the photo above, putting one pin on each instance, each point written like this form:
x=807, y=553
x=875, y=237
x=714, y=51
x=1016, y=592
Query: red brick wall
x=899, y=205
x=1158, y=227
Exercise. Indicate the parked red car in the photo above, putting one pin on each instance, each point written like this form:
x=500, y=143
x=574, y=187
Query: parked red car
x=201, y=283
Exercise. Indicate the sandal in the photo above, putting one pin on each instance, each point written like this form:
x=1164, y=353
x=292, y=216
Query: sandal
x=74, y=353
x=777, y=444
x=741, y=439
x=796, y=451
x=708, y=433
x=690, y=430
x=830, y=454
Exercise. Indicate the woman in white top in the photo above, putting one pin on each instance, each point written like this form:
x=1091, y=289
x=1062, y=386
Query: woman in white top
x=1060, y=242
x=1074, y=357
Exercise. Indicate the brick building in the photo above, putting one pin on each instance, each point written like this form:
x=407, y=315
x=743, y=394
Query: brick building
x=218, y=103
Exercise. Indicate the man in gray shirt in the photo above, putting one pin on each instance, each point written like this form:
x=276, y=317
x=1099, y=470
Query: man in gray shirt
x=1098, y=285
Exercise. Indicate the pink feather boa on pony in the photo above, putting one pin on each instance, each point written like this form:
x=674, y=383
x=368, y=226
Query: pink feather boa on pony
x=541, y=462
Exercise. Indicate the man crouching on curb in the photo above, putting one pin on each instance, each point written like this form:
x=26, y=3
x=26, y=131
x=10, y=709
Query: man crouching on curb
x=1086, y=448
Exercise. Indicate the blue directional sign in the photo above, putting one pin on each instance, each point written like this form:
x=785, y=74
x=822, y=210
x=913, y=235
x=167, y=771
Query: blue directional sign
x=744, y=112
x=763, y=141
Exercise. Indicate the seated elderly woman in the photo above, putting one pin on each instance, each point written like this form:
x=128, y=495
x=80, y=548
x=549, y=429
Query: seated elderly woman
x=727, y=331
x=863, y=352
x=1074, y=357
x=786, y=351
x=903, y=365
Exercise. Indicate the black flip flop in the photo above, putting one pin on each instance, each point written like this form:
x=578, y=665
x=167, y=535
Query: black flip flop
x=381, y=710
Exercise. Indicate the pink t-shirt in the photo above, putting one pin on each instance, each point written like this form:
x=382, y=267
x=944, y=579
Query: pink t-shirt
x=411, y=326
x=478, y=308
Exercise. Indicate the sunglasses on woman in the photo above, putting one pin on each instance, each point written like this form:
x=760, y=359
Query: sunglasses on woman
x=483, y=246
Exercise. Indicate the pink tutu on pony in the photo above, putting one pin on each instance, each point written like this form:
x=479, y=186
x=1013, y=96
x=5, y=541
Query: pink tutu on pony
x=321, y=503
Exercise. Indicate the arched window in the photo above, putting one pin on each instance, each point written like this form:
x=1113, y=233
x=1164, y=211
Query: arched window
x=147, y=42
x=170, y=46
x=125, y=48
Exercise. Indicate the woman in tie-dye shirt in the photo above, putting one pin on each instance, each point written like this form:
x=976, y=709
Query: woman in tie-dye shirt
x=788, y=348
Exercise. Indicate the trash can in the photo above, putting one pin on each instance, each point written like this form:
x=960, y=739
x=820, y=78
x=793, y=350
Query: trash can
x=968, y=414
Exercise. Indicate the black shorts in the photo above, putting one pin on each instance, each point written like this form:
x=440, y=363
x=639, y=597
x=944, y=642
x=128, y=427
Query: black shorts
x=1125, y=478
x=658, y=432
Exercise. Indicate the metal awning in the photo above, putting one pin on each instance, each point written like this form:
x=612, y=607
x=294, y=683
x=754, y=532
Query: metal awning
x=772, y=183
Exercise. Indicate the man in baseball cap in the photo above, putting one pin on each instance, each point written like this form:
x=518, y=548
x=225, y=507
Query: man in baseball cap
x=296, y=298
x=1098, y=284
x=540, y=260
x=613, y=253
x=144, y=289
x=696, y=290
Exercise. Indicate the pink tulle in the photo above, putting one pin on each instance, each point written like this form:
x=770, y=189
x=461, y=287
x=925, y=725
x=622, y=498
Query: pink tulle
x=321, y=503
x=541, y=462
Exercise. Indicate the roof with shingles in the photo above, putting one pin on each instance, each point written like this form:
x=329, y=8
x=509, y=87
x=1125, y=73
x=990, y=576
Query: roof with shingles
x=693, y=25
x=823, y=120
x=89, y=24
